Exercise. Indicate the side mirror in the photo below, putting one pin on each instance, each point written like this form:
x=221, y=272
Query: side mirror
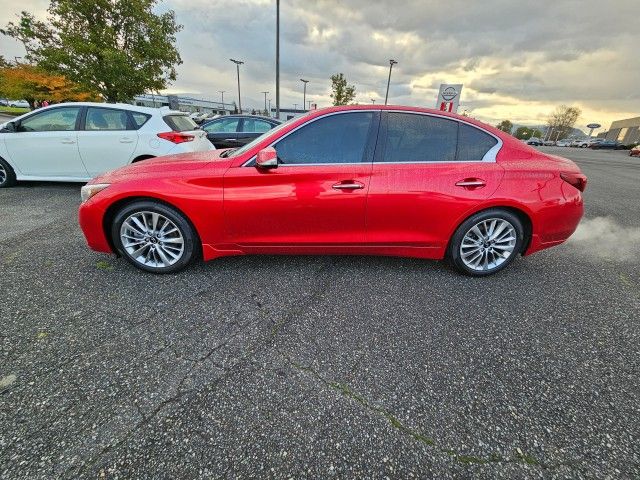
x=267, y=158
x=8, y=127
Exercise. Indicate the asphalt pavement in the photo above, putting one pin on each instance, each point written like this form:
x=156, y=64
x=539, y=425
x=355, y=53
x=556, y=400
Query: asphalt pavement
x=321, y=367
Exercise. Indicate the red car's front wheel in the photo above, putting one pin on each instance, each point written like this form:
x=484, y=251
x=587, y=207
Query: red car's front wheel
x=154, y=237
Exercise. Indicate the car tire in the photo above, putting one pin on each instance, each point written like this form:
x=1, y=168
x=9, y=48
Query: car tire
x=486, y=242
x=7, y=175
x=154, y=237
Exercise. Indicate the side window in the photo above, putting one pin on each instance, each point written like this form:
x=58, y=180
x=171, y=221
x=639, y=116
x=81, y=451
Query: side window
x=473, y=143
x=57, y=120
x=420, y=138
x=340, y=138
x=253, y=125
x=99, y=119
x=139, y=119
x=227, y=125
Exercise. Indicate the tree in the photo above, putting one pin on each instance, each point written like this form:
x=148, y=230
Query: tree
x=562, y=120
x=342, y=93
x=525, y=133
x=31, y=83
x=505, y=126
x=118, y=48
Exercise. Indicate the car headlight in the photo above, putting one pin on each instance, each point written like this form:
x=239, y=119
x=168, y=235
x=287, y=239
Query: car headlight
x=89, y=191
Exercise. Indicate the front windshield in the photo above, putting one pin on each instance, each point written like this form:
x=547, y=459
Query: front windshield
x=257, y=140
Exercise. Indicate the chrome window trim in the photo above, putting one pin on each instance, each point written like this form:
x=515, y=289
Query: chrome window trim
x=489, y=157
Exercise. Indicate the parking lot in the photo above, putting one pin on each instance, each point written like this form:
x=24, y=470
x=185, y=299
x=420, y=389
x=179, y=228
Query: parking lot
x=321, y=366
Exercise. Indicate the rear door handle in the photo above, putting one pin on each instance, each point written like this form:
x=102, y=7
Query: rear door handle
x=471, y=183
x=230, y=139
x=348, y=185
x=126, y=140
x=68, y=141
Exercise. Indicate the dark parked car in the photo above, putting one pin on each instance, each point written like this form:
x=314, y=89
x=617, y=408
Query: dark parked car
x=234, y=131
x=607, y=145
x=535, y=141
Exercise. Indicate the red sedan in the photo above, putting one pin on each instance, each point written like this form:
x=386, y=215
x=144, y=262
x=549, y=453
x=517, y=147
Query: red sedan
x=372, y=180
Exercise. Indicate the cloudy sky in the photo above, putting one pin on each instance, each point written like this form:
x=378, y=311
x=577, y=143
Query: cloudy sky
x=516, y=59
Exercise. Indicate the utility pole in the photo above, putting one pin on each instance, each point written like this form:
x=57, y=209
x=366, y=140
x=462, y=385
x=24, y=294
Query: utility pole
x=278, y=59
x=222, y=93
x=238, y=63
x=304, y=95
x=308, y=104
x=391, y=64
x=265, y=100
x=269, y=107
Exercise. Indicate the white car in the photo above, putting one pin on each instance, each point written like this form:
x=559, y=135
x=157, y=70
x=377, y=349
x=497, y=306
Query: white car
x=74, y=142
x=18, y=104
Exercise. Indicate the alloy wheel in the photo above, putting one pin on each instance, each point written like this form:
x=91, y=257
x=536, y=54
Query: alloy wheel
x=3, y=174
x=488, y=244
x=151, y=239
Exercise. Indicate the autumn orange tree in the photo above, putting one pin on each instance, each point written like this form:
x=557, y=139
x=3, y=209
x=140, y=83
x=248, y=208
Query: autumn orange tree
x=23, y=81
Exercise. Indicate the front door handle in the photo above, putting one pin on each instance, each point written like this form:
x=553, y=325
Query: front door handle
x=230, y=139
x=348, y=185
x=68, y=141
x=471, y=183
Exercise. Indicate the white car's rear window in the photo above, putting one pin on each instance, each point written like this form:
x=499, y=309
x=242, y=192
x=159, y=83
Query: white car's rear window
x=180, y=123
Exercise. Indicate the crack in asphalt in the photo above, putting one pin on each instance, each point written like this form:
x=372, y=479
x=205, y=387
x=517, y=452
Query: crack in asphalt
x=518, y=457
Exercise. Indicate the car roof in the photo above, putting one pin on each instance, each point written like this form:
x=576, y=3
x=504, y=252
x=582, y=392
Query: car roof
x=123, y=106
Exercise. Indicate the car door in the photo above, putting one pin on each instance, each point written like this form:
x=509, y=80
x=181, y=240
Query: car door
x=107, y=139
x=317, y=194
x=429, y=170
x=223, y=132
x=251, y=128
x=45, y=144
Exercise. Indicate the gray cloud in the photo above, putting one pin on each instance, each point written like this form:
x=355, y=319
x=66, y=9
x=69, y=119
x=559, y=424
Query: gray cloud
x=512, y=57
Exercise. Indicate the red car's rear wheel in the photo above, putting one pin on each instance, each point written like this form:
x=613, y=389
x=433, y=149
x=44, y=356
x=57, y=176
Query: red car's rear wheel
x=486, y=243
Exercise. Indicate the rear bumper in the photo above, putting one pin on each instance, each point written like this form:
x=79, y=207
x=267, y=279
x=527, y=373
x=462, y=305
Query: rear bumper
x=556, y=224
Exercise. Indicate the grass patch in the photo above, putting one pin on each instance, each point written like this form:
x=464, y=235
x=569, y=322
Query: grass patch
x=102, y=265
x=14, y=110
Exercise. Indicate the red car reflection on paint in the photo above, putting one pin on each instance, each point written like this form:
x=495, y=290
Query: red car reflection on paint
x=371, y=180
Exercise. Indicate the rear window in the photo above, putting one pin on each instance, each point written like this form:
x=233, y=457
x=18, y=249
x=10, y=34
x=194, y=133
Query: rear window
x=180, y=123
x=473, y=143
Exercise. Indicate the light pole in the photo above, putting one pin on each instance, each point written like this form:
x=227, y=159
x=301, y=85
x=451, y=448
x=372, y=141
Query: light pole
x=238, y=63
x=391, y=64
x=278, y=59
x=304, y=95
x=308, y=104
x=265, y=100
x=295, y=106
x=269, y=107
x=222, y=93
x=373, y=100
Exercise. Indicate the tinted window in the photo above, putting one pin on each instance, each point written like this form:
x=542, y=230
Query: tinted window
x=473, y=143
x=420, y=138
x=105, y=119
x=338, y=138
x=57, y=120
x=180, y=123
x=253, y=125
x=228, y=125
x=139, y=119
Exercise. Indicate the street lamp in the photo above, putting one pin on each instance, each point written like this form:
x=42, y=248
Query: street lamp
x=278, y=59
x=373, y=100
x=222, y=93
x=265, y=100
x=304, y=95
x=295, y=106
x=269, y=107
x=391, y=64
x=308, y=104
x=238, y=63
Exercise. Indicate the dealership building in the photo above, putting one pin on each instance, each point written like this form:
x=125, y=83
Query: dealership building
x=184, y=104
x=625, y=131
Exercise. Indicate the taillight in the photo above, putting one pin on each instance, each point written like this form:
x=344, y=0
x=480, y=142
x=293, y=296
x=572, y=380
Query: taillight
x=578, y=180
x=177, y=137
